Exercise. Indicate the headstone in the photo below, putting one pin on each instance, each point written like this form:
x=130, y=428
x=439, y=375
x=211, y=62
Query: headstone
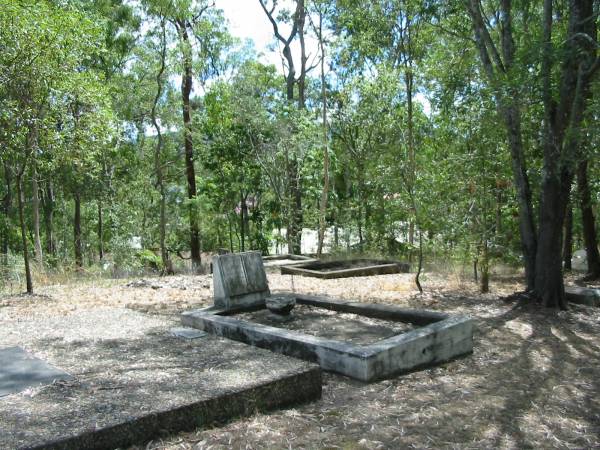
x=579, y=261
x=239, y=280
x=19, y=370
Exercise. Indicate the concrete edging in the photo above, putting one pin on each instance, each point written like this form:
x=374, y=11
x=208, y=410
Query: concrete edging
x=311, y=269
x=442, y=338
x=294, y=389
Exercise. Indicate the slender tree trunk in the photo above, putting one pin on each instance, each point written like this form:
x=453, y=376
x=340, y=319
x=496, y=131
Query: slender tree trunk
x=230, y=233
x=294, y=188
x=588, y=221
x=243, y=213
x=509, y=112
x=100, y=232
x=6, y=208
x=325, y=192
x=77, y=233
x=295, y=227
x=158, y=169
x=485, y=269
x=48, y=208
x=35, y=207
x=186, y=89
x=568, y=240
x=28, y=279
x=408, y=81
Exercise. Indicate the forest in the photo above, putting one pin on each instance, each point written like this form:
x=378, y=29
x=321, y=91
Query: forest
x=144, y=135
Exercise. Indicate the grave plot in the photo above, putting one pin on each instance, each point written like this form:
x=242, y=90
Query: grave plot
x=276, y=261
x=360, y=340
x=135, y=378
x=346, y=268
x=424, y=338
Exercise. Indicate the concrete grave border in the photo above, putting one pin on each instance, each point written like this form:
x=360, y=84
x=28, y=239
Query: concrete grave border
x=275, y=261
x=583, y=296
x=440, y=338
x=314, y=269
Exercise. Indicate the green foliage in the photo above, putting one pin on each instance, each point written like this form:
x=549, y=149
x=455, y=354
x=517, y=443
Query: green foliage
x=414, y=142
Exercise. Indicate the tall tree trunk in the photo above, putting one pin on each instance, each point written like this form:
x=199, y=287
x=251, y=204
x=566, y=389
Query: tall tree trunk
x=35, y=206
x=48, y=208
x=588, y=221
x=568, y=240
x=408, y=80
x=77, y=232
x=485, y=268
x=243, y=214
x=509, y=112
x=294, y=188
x=6, y=208
x=186, y=89
x=562, y=141
x=158, y=168
x=28, y=280
x=100, y=232
x=325, y=192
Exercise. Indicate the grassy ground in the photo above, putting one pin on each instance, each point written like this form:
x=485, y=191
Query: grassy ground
x=532, y=381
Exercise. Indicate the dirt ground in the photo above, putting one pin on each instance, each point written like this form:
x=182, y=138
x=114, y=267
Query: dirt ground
x=533, y=380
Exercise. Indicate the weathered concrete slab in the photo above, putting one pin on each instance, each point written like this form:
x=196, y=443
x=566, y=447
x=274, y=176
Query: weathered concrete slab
x=583, y=296
x=442, y=339
x=187, y=333
x=20, y=370
x=128, y=390
x=239, y=279
x=345, y=268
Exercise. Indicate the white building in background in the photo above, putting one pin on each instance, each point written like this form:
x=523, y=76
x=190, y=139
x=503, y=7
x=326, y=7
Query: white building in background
x=310, y=240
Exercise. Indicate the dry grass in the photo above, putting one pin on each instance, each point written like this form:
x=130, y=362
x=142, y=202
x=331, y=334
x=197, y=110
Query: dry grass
x=532, y=381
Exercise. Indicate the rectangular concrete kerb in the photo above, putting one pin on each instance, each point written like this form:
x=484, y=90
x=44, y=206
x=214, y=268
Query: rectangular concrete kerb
x=339, y=269
x=441, y=338
x=583, y=296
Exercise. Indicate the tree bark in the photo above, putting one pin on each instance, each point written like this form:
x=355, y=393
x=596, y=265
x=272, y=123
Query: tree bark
x=158, y=169
x=28, y=280
x=294, y=188
x=509, y=111
x=100, y=232
x=6, y=208
x=35, y=206
x=77, y=232
x=588, y=221
x=568, y=240
x=325, y=192
x=485, y=268
x=243, y=214
x=186, y=89
x=562, y=140
x=48, y=207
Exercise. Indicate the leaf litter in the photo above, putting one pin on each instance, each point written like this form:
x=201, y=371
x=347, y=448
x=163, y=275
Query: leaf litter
x=532, y=381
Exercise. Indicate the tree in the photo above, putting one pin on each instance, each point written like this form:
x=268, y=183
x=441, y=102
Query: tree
x=566, y=71
x=294, y=192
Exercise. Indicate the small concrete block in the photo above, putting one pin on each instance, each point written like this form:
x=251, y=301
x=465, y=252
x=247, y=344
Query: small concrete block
x=239, y=279
x=187, y=333
x=19, y=370
x=281, y=305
